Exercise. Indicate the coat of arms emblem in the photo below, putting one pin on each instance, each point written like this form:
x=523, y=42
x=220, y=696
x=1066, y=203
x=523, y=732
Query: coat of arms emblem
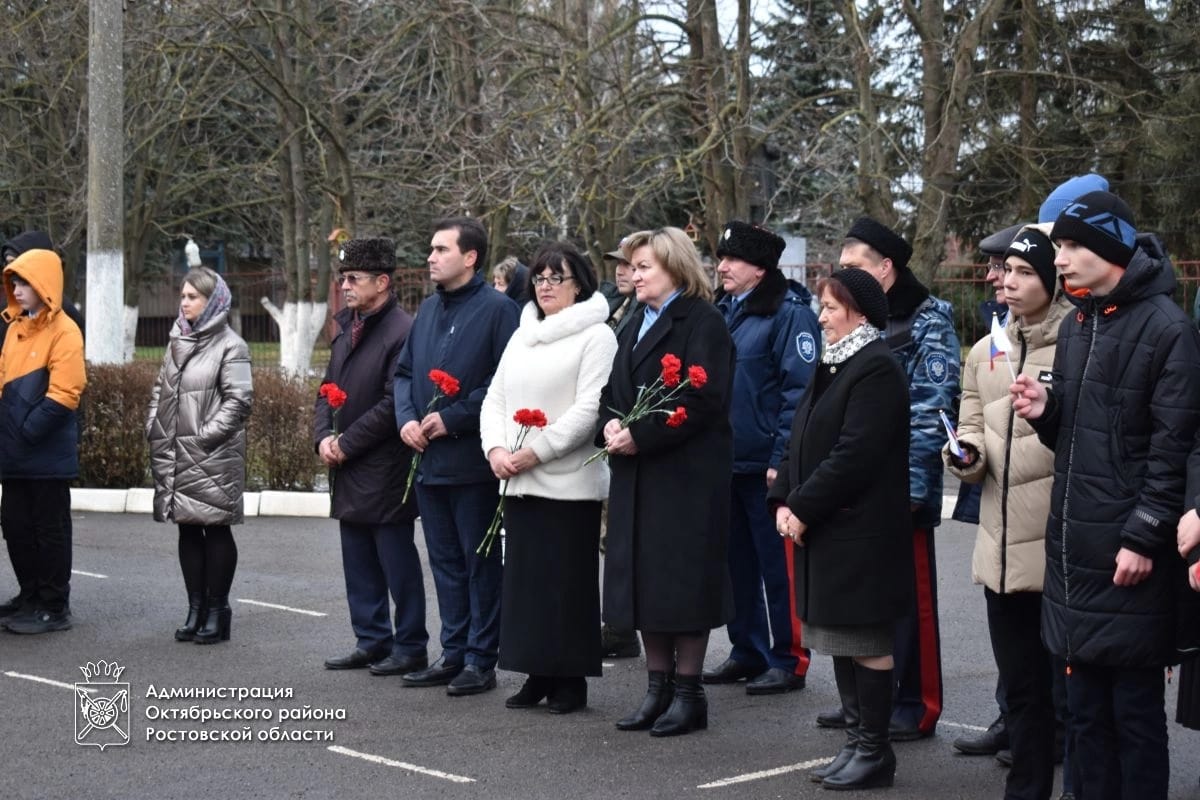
x=102, y=706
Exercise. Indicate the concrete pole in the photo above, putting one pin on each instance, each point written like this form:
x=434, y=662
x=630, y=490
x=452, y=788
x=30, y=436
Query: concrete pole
x=104, y=312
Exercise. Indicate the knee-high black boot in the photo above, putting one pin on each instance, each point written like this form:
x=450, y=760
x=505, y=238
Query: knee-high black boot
x=659, y=694
x=688, y=711
x=216, y=626
x=197, y=611
x=843, y=672
x=873, y=764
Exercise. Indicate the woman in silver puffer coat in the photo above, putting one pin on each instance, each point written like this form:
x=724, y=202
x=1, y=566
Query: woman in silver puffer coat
x=197, y=433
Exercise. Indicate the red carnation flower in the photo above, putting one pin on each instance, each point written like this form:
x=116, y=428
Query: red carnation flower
x=530, y=418
x=677, y=417
x=444, y=381
x=671, y=366
x=333, y=394
x=697, y=376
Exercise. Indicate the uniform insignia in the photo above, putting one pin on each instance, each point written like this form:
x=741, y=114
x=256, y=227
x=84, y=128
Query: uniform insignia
x=936, y=368
x=806, y=346
x=1045, y=376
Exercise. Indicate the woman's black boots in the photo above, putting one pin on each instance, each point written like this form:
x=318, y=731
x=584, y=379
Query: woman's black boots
x=688, y=711
x=659, y=694
x=873, y=764
x=216, y=625
x=843, y=673
x=197, y=611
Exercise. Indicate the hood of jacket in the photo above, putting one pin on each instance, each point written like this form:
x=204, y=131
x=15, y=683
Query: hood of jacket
x=29, y=240
x=41, y=269
x=570, y=320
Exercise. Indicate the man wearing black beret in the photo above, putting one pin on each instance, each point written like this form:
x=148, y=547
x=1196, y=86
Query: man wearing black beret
x=920, y=332
x=777, y=339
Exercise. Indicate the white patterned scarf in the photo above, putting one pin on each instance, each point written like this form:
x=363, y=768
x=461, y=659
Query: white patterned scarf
x=851, y=343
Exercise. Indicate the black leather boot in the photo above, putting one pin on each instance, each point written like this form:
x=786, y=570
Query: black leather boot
x=567, y=695
x=843, y=672
x=688, y=711
x=216, y=625
x=197, y=611
x=873, y=764
x=660, y=692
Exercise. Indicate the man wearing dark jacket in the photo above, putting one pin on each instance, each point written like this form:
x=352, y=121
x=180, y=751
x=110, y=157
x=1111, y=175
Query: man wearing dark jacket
x=1120, y=413
x=777, y=340
x=462, y=330
x=368, y=464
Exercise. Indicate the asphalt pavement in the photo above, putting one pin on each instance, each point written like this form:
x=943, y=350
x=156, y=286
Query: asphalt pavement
x=258, y=717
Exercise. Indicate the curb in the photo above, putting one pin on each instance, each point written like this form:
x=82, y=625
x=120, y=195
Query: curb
x=257, y=504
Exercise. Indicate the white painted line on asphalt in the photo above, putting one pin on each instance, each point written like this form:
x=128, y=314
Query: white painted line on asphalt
x=387, y=762
x=606, y=664
x=766, y=773
x=283, y=608
x=46, y=681
x=88, y=574
x=962, y=725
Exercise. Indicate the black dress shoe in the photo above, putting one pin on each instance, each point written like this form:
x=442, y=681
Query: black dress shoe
x=730, y=671
x=439, y=673
x=472, y=680
x=833, y=719
x=356, y=660
x=988, y=743
x=399, y=665
x=775, y=681
x=899, y=734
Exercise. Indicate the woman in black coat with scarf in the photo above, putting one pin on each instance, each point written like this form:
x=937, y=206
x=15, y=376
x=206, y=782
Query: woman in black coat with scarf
x=843, y=497
x=665, y=570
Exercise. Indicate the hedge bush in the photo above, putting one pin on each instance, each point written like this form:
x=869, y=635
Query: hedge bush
x=113, y=452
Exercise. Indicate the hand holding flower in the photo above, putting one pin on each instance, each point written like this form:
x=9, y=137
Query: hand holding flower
x=411, y=435
x=621, y=443
x=1187, y=535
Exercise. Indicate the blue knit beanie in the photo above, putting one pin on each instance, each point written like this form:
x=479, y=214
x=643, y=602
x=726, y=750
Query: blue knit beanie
x=1069, y=190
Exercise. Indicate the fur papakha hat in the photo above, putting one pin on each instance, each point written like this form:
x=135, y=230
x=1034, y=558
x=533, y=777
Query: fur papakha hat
x=368, y=255
x=752, y=244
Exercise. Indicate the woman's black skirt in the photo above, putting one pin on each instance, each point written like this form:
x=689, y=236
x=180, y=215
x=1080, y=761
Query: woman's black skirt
x=550, y=614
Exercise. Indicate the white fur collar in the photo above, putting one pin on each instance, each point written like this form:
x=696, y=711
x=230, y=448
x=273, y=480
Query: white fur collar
x=570, y=320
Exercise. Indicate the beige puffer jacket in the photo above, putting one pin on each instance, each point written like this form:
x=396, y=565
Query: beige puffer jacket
x=197, y=426
x=1010, y=550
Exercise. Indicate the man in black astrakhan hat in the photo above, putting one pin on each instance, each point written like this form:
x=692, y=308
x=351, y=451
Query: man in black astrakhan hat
x=778, y=342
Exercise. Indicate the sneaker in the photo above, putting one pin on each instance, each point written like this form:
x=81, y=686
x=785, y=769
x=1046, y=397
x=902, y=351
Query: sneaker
x=14, y=606
x=39, y=620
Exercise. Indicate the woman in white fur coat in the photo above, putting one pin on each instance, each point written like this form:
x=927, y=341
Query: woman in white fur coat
x=557, y=362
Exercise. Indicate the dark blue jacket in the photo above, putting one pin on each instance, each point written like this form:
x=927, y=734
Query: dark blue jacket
x=462, y=332
x=778, y=343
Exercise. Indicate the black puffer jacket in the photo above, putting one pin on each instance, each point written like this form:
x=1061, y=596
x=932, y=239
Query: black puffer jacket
x=1121, y=418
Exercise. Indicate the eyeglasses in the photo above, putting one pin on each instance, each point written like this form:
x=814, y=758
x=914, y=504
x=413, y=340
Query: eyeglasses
x=353, y=277
x=995, y=268
x=553, y=280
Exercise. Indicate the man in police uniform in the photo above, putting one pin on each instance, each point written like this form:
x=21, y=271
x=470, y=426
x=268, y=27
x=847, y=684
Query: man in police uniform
x=777, y=340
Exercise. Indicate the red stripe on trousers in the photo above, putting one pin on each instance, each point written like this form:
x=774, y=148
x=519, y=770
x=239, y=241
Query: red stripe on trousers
x=797, y=649
x=927, y=638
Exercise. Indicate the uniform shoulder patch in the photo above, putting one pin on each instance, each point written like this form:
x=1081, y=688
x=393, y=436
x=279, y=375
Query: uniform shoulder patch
x=936, y=368
x=806, y=346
